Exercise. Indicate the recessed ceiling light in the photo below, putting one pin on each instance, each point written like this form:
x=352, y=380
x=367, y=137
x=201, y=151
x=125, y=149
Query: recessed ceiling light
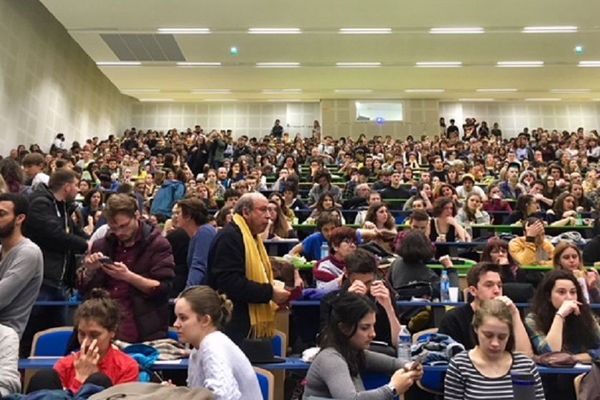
x=281, y=91
x=141, y=90
x=184, y=31
x=358, y=64
x=353, y=90
x=365, y=31
x=589, y=64
x=476, y=99
x=284, y=100
x=118, y=63
x=220, y=100
x=198, y=64
x=211, y=91
x=424, y=90
x=543, y=99
x=277, y=64
x=570, y=90
x=519, y=64
x=549, y=29
x=149, y=100
x=457, y=31
x=274, y=31
x=438, y=64
x=496, y=90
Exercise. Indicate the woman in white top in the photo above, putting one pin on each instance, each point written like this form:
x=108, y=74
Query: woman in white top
x=216, y=363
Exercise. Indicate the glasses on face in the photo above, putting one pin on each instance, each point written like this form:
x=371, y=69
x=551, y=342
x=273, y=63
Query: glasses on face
x=499, y=250
x=349, y=241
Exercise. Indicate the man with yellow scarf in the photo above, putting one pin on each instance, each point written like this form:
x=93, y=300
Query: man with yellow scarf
x=238, y=266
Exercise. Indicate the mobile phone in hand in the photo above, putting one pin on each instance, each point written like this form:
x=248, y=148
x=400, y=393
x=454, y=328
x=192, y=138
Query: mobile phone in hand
x=106, y=260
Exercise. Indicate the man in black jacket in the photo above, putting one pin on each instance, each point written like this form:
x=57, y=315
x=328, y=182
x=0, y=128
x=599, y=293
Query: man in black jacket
x=227, y=266
x=50, y=226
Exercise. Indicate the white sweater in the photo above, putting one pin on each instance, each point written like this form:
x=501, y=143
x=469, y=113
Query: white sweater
x=220, y=366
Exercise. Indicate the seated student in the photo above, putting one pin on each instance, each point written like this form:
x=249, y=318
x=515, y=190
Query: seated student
x=96, y=321
x=417, y=220
x=335, y=371
x=415, y=251
x=495, y=203
x=361, y=277
x=380, y=219
x=591, y=251
x=279, y=227
x=472, y=213
x=342, y=243
x=567, y=256
x=564, y=212
x=468, y=187
x=519, y=284
x=560, y=320
x=310, y=247
x=533, y=248
x=484, y=283
x=444, y=227
x=525, y=207
x=215, y=363
x=484, y=372
x=326, y=203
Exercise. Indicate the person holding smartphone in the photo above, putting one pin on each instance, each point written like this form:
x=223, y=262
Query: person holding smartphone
x=335, y=371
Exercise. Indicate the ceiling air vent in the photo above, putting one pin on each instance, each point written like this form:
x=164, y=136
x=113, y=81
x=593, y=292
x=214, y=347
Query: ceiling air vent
x=144, y=47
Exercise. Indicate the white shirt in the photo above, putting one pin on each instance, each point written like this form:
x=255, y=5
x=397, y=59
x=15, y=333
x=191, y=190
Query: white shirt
x=220, y=366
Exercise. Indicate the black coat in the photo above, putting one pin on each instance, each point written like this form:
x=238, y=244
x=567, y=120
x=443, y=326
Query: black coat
x=227, y=274
x=50, y=226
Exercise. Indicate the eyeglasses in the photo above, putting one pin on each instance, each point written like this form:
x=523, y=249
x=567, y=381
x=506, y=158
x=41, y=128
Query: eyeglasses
x=349, y=241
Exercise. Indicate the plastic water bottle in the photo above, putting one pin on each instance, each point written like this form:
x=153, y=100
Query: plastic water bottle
x=444, y=287
x=579, y=221
x=324, y=250
x=404, y=342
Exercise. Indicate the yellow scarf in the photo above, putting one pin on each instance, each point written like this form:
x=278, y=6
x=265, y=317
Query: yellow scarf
x=258, y=269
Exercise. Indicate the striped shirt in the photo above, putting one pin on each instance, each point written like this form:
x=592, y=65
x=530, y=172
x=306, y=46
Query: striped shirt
x=464, y=381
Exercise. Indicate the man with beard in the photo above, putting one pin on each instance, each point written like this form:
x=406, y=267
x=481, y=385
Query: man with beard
x=21, y=266
x=50, y=226
x=134, y=263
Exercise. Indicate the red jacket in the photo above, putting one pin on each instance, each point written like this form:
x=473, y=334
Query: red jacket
x=118, y=366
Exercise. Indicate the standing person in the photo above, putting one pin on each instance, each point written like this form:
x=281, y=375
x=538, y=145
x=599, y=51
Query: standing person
x=192, y=216
x=134, y=263
x=277, y=130
x=484, y=372
x=335, y=371
x=239, y=267
x=50, y=226
x=21, y=264
x=215, y=363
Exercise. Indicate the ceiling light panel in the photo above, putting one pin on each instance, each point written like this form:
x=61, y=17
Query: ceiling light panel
x=277, y=64
x=570, y=90
x=457, y=31
x=424, y=90
x=499, y=90
x=149, y=100
x=476, y=99
x=358, y=64
x=365, y=31
x=211, y=91
x=543, y=99
x=438, y=64
x=118, y=63
x=358, y=91
x=589, y=64
x=549, y=29
x=198, y=64
x=184, y=31
x=274, y=31
x=520, y=64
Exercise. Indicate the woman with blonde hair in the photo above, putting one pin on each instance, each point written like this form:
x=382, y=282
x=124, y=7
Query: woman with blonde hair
x=215, y=363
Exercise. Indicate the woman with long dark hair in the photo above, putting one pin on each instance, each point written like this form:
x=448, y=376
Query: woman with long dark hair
x=560, y=320
x=568, y=257
x=335, y=371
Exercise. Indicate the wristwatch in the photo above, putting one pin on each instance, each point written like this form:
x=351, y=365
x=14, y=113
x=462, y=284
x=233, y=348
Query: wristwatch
x=393, y=389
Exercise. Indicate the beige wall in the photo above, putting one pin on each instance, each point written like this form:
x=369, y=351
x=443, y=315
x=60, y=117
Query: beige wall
x=514, y=116
x=48, y=84
x=244, y=118
x=339, y=119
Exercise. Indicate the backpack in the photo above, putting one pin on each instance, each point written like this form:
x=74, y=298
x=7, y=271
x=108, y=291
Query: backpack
x=589, y=384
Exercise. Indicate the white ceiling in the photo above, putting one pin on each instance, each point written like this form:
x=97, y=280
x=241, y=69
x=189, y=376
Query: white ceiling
x=320, y=46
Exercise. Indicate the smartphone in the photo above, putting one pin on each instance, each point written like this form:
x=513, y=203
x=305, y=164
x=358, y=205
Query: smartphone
x=418, y=360
x=106, y=260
